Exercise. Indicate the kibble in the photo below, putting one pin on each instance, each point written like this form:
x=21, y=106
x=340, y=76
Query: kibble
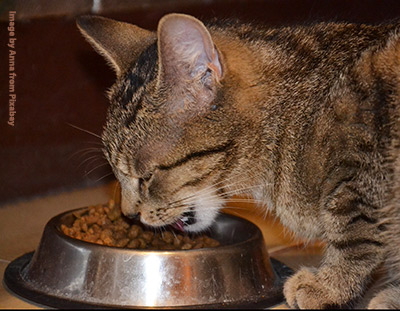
x=105, y=225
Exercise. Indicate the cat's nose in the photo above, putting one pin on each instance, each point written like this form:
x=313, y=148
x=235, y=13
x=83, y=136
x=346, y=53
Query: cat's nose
x=134, y=216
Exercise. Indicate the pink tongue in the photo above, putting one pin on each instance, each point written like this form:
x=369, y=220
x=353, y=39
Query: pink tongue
x=178, y=225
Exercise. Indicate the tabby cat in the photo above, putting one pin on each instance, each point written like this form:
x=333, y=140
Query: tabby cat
x=303, y=118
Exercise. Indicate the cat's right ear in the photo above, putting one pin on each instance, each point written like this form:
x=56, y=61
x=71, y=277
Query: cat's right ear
x=118, y=42
x=186, y=50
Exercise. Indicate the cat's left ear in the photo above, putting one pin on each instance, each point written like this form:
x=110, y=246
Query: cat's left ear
x=187, y=51
x=120, y=43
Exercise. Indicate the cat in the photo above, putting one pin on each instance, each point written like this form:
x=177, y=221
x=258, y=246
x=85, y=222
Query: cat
x=304, y=118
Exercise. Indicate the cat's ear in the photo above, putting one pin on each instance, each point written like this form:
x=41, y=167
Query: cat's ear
x=186, y=50
x=120, y=43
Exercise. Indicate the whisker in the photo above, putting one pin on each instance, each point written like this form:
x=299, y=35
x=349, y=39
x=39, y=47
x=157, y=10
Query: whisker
x=93, y=163
x=235, y=200
x=214, y=188
x=98, y=166
x=115, y=191
x=240, y=190
x=176, y=206
x=92, y=159
x=83, y=130
x=223, y=181
x=84, y=152
x=218, y=183
x=236, y=183
x=223, y=195
x=173, y=232
x=224, y=207
x=97, y=180
x=207, y=190
x=92, y=150
x=237, y=214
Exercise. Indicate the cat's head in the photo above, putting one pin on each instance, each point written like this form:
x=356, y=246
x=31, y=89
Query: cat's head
x=171, y=132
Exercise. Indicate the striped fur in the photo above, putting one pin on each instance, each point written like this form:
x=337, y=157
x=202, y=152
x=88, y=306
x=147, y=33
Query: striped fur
x=304, y=118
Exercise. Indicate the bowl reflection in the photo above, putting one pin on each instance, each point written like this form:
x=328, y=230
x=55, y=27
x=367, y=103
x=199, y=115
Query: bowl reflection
x=239, y=272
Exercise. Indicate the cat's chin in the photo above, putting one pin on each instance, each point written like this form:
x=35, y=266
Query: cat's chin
x=202, y=219
x=202, y=214
x=200, y=225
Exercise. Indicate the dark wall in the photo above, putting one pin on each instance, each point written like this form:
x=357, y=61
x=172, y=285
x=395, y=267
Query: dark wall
x=61, y=80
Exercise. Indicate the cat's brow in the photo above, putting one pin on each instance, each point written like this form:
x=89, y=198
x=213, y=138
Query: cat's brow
x=197, y=154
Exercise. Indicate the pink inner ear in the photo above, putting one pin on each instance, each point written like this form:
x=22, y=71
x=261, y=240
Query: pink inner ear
x=215, y=65
x=186, y=47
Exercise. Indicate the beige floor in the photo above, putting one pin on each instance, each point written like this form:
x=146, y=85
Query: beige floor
x=21, y=227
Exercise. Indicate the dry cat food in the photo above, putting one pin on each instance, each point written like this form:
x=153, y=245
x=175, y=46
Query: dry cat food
x=105, y=225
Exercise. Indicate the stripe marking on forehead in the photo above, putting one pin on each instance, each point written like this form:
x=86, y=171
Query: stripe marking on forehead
x=132, y=89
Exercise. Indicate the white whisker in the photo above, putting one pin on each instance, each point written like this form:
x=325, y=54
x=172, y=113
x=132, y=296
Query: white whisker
x=98, y=166
x=92, y=159
x=223, y=195
x=103, y=177
x=85, y=151
x=83, y=130
x=212, y=190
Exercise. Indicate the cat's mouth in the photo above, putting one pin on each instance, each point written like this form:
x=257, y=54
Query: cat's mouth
x=188, y=218
x=199, y=216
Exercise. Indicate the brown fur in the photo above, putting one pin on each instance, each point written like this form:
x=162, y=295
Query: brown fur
x=303, y=118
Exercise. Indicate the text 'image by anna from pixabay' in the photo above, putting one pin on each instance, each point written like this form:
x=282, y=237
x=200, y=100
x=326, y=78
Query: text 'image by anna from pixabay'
x=12, y=96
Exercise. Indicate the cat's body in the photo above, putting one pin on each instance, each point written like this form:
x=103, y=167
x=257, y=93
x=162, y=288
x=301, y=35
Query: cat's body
x=306, y=119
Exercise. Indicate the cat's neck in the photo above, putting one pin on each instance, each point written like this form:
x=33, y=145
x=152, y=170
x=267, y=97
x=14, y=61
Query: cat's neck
x=245, y=67
x=271, y=109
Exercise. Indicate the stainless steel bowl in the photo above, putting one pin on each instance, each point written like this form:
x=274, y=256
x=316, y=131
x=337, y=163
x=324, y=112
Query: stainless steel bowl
x=238, y=273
